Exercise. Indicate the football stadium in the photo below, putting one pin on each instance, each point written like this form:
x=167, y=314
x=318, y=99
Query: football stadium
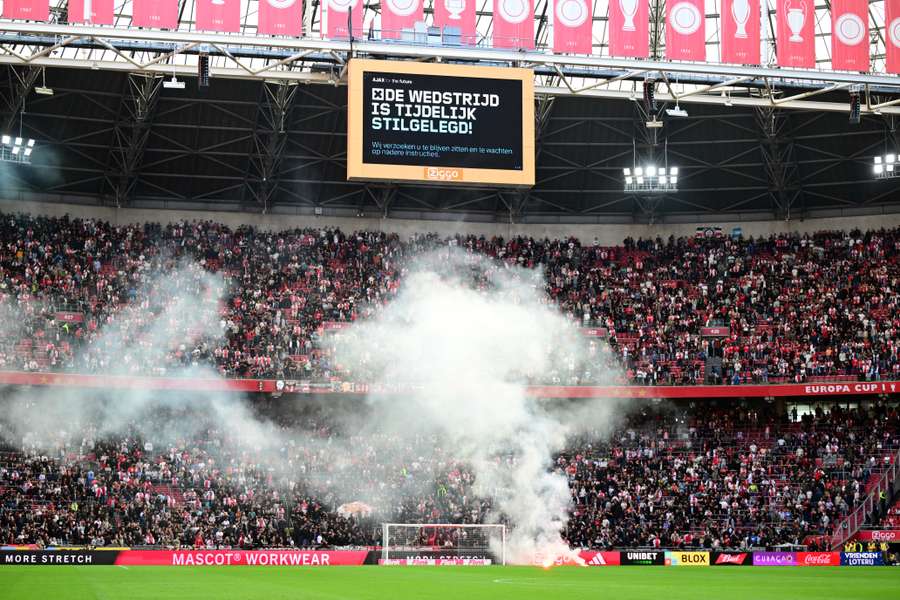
x=435, y=299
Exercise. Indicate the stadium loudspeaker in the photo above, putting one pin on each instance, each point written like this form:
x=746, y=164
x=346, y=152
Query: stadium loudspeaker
x=203, y=71
x=854, y=108
x=650, y=95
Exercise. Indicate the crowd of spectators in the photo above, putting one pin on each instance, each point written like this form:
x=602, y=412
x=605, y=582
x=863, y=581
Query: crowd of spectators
x=786, y=308
x=684, y=477
x=729, y=478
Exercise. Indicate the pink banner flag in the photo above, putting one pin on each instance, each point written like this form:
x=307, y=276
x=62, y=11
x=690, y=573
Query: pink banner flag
x=338, y=15
x=850, y=35
x=513, y=24
x=686, y=30
x=93, y=12
x=161, y=14
x=572, y=26
x=219, y=15
x=892, y=35
x=796, y=42
x=740, y=32
x=459, y=14
x=32, y=10
x=281, y=17
x=629, y=33
x=397, y=15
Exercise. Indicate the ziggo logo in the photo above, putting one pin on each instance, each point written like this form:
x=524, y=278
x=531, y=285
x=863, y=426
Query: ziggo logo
x=443, y=174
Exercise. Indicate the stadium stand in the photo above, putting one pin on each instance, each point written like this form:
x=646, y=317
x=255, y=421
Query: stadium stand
x=787, y=308
x=705, y=476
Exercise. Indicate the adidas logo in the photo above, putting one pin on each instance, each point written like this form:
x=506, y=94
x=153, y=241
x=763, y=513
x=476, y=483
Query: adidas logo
x=597, y=560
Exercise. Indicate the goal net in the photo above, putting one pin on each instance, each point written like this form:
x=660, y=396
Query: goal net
x=444, y=541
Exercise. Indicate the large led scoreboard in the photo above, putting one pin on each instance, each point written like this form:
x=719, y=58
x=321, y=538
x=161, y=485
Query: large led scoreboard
x=438, y=123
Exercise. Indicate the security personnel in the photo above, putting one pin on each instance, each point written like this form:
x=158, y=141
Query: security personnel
x=885, y=552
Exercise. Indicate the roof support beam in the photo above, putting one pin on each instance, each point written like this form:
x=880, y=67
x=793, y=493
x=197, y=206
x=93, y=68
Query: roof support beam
x=269, y=140
x=780, y=162
x=21, y=83
x=130, y=135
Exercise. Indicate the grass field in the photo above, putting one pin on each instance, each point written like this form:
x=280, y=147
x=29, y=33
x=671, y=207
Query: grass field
x=445, y=583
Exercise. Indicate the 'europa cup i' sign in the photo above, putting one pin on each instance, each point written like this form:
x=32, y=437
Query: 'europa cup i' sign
x=440, y=124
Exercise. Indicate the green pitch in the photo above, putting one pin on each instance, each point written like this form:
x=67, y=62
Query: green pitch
x=447, y=583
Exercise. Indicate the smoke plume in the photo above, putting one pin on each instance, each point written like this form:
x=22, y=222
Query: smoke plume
x=466, y=335
x=176, y=304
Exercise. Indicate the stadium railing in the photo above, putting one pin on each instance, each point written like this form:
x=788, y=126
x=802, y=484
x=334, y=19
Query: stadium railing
x=847, y=528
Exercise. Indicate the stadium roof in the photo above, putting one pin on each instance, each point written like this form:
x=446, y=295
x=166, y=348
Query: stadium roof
x=760, y=142
x=543, y=26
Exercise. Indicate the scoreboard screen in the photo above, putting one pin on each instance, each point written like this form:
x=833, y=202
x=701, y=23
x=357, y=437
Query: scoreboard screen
x=435, y=123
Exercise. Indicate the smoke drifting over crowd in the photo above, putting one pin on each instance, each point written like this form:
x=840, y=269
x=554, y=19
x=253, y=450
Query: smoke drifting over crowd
x=465, y=334
x=177, y=301
x=468, y=333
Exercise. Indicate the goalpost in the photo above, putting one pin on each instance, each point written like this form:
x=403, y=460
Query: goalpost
x=404, y=540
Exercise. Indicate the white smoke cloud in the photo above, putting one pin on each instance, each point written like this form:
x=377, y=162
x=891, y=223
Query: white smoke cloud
x=174, y=305
x=466, y=333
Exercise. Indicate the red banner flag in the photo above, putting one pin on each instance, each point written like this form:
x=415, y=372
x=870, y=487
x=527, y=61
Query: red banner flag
x=337, y=16
x=796, y=42
x=740, y=32
x=32, y=10
x=397, y=15
x=459, y=14
x=94, y=12
x=850, y=35
x=513, y=24
x=892, y=35
x=686, y=31
x=219, y=15
x=162, y=14
x=629, y=33
x=572, y=26
x=281, y=17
